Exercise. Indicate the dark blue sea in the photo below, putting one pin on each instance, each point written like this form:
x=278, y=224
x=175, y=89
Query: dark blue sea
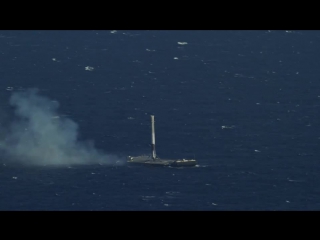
x=74, y=104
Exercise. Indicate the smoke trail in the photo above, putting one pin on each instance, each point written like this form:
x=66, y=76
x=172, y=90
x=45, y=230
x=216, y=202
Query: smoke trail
x=38, y=137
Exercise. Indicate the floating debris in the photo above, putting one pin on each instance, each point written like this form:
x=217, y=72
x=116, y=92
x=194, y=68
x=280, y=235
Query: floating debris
x=88, y=68
x=182, y=43
x=227, y=127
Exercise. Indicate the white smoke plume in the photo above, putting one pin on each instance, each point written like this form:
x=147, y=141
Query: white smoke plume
x=38, y=137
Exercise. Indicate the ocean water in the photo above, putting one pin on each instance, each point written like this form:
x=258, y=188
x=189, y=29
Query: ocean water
x=245, y=104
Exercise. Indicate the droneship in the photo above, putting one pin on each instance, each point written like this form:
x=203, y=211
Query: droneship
x=153, y=160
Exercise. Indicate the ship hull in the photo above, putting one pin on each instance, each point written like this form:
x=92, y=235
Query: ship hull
x=144, y=160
